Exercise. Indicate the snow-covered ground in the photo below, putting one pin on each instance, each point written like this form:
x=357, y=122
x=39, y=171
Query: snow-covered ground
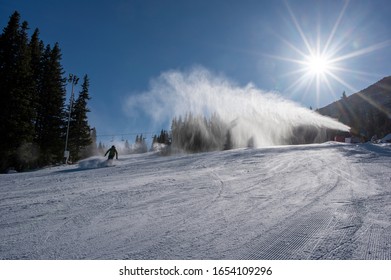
x=327, y=201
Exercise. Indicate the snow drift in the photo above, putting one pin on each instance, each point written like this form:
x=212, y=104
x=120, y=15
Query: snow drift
x=247, y=113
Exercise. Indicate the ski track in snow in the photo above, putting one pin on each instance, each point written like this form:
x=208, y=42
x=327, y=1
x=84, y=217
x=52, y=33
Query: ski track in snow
x=328, y=201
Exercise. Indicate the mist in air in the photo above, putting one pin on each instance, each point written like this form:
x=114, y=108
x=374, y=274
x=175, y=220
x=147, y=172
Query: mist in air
x=245, y=114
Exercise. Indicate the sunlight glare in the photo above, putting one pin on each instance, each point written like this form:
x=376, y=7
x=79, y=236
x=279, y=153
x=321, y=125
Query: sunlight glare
x=321, y=62
x=318, y=65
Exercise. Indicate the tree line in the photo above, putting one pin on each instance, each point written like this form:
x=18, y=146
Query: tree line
x=201, y=134
x=367, y=112
x=140, y=144
x=33, y=118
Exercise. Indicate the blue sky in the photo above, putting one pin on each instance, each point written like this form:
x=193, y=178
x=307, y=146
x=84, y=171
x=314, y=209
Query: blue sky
x=123, y=45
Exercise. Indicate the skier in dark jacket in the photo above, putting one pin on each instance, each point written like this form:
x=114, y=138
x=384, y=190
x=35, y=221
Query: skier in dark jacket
x=112, y=152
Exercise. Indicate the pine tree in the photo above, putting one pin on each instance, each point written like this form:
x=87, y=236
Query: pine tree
x=16, y=93
x=228, y=142
x=101, y=148
x=154, y=142
x=37, y=51
x=91, y=149
x=80, y=132
x=127, y=147
x=51, y=116
x=32, y=93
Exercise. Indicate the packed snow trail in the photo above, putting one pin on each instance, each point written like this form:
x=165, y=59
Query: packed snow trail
x=328, y=201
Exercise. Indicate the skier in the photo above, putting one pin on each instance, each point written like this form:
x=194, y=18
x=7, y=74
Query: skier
x=112, y=152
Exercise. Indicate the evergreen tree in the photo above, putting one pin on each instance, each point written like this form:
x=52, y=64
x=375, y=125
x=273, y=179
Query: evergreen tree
x=127, y=147
x=101, y=148
x=16, y=93
x=164, y=138
x=32, y=92
x=199, y=134
x=154, y=142
x=80, y=132
x=228, y=145
x=37, y=51
x=51, y=116
x=92, y=149
x=140, y=145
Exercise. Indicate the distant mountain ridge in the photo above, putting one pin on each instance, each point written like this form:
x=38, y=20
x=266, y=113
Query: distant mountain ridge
x=367, y=112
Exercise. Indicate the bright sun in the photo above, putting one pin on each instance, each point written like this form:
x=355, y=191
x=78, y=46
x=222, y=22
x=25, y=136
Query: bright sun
x=318, y=65
x=320, y=59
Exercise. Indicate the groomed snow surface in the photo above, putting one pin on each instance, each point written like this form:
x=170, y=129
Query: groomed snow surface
x=327, y=201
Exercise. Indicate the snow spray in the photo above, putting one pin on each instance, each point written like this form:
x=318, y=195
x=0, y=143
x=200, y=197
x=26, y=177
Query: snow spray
x=248, y=114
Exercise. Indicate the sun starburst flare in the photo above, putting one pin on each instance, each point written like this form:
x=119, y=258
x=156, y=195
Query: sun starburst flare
x=318, y=65
x=323, y=63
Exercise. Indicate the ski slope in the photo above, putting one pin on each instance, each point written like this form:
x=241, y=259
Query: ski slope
x=327, y=201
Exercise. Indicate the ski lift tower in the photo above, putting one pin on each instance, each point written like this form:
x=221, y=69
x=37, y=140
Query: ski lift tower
x=72, y=79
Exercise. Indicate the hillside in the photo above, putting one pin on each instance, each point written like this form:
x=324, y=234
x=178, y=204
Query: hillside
x=323, y=201
x=367, y=112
